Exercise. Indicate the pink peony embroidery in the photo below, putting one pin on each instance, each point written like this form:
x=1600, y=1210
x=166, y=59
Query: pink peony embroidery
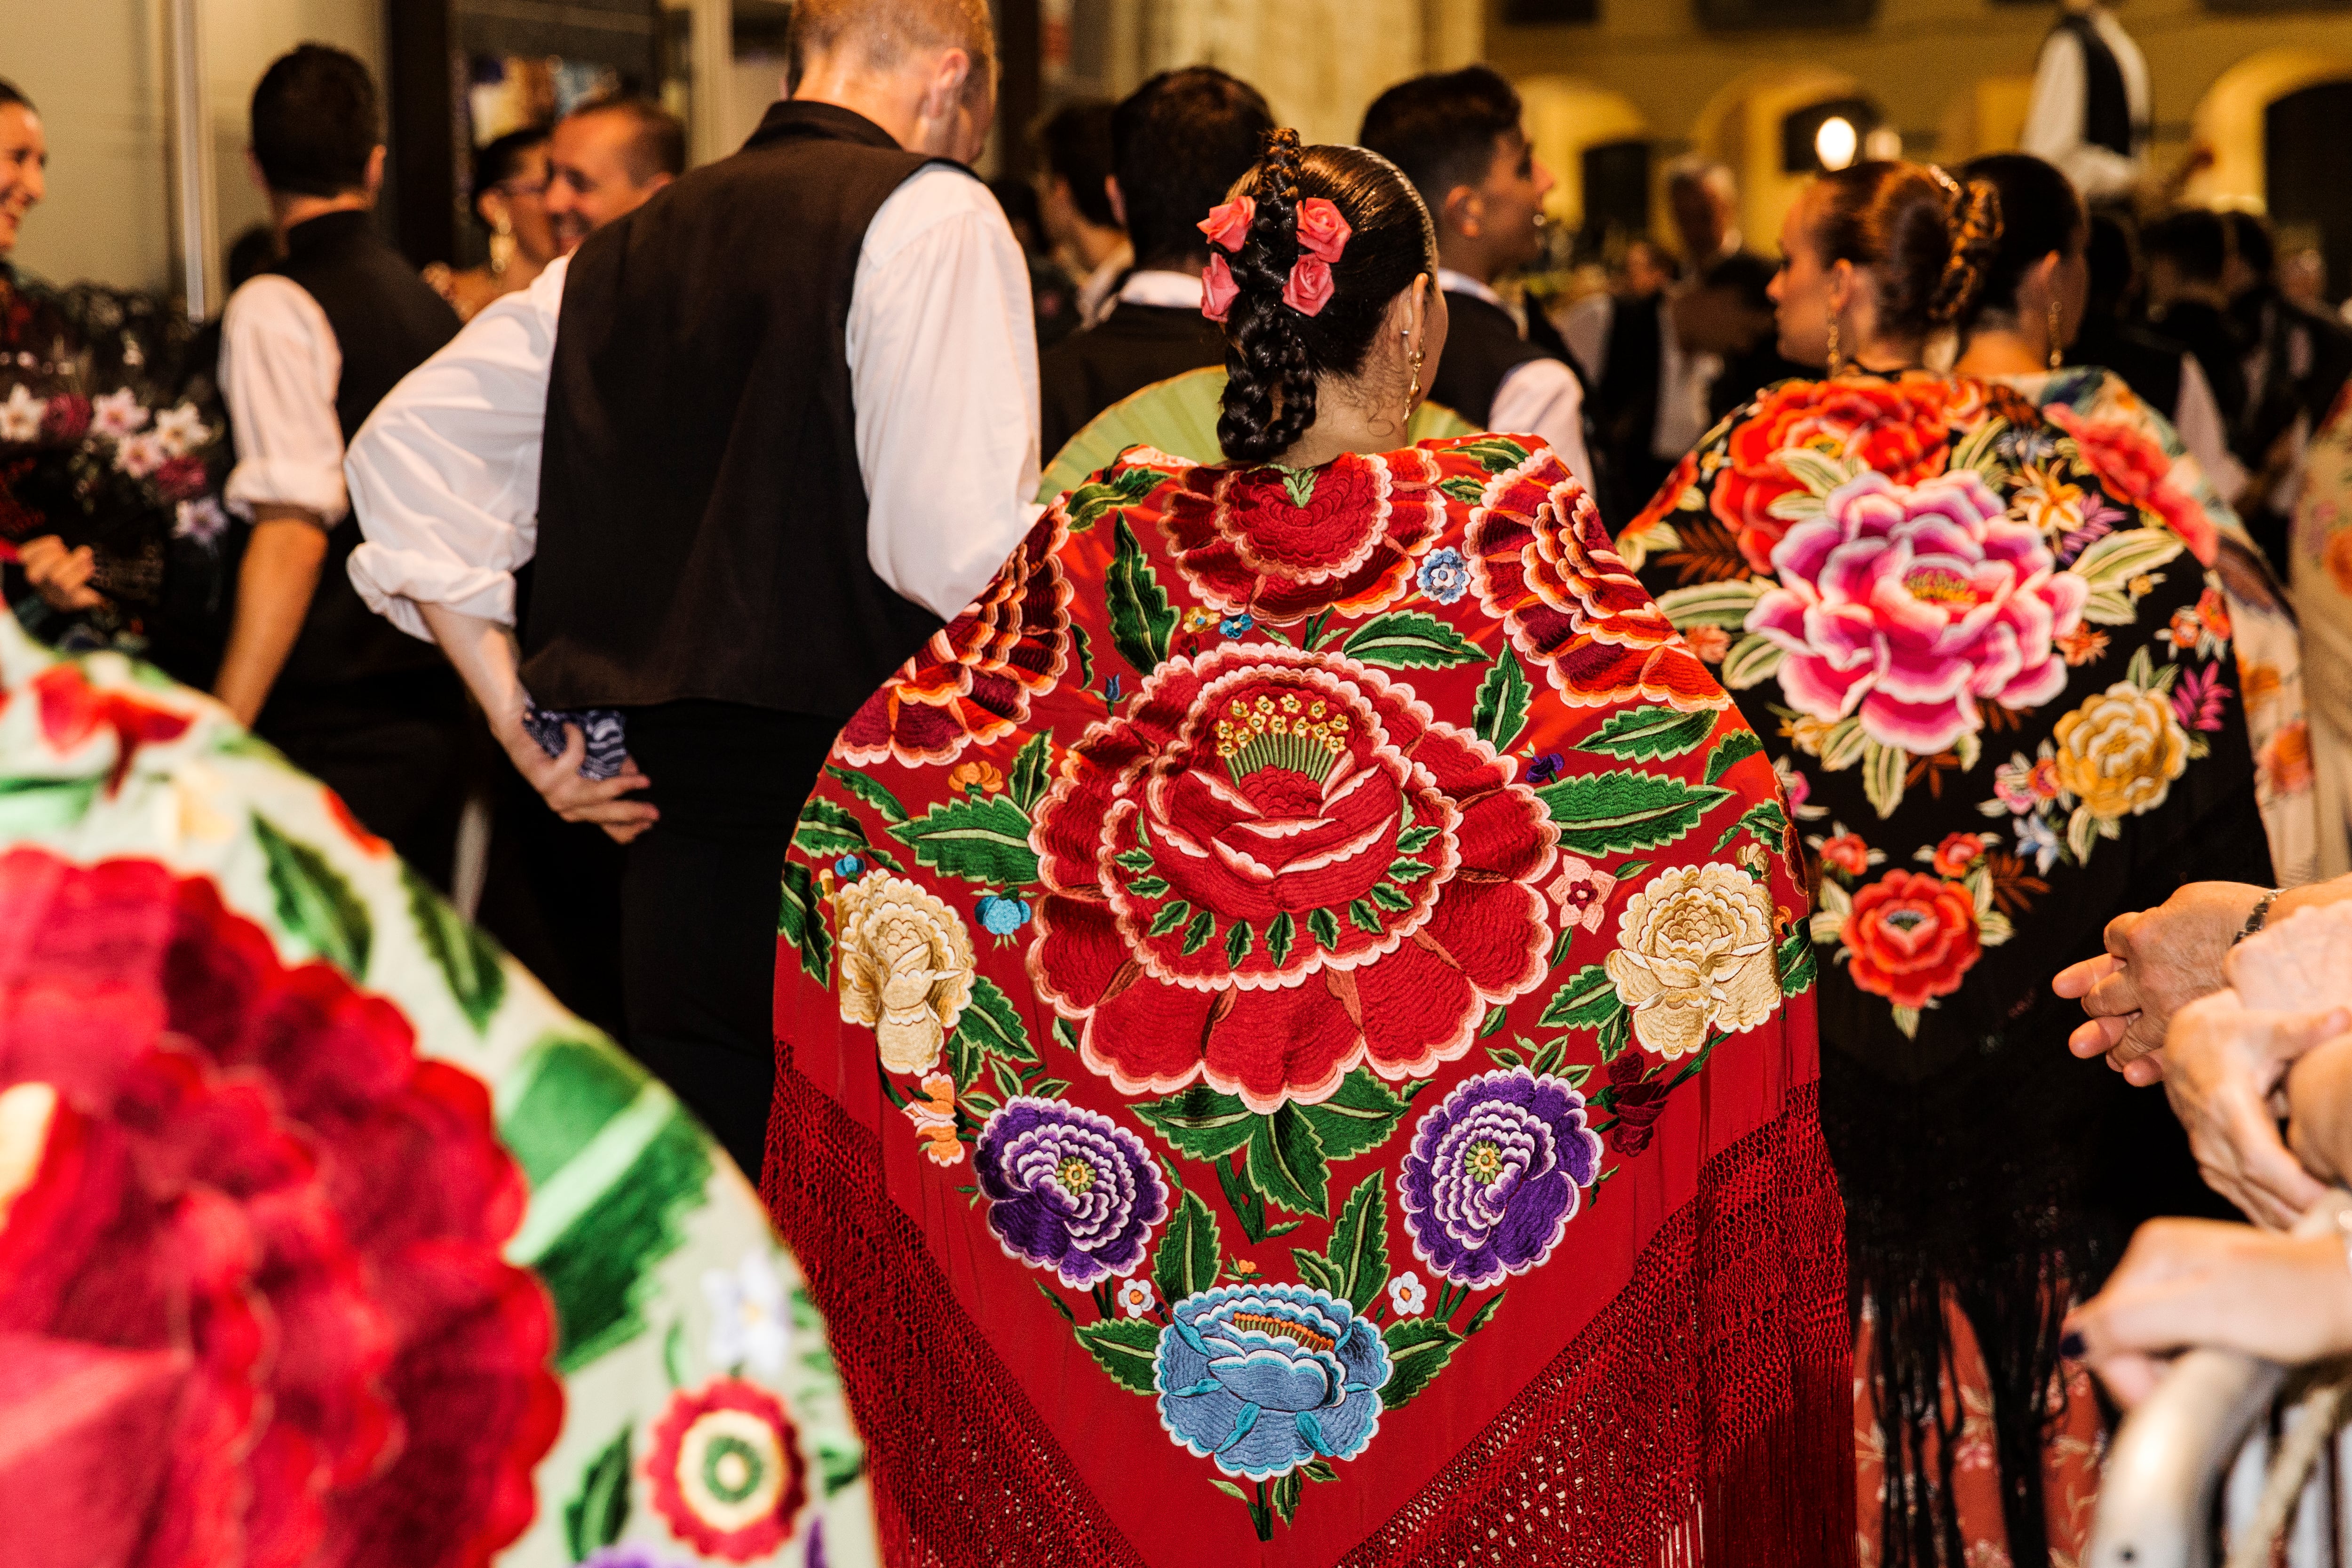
x=1228, y=225
x=1908, y=604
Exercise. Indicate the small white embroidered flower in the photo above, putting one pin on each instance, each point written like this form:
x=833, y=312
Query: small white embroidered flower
x=1135, y=1297
x=20, y=416
x=140, y=455
x=115, y=414
x=1408, y=1296
x=748, y=1321
x=181, y=430
x=202, y=521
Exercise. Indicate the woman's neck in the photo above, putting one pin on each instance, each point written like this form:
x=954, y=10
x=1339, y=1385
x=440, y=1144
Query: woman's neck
x=2003, y=351
x=1888, y=356
x=1344, y=422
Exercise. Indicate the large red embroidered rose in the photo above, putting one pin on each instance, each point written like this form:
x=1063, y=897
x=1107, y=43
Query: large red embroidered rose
x=1899, y=428
x=1911, y=937
x=72, y=710
x=1283, y=545
x=1277, y=865
x=2140, y=471
x=1541, y=560
x=262, y=1238
x=973, y=683
x=726, y=1470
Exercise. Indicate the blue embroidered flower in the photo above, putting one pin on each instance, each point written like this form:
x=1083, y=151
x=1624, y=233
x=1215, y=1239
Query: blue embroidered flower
x=1236, y=626
x=1444, y=576
x=1263, y=1377
x=1000, y=916
x=1110, y=690
x=1492, y=1176
x=847, y=867
x=2036, y=838
x=1068, y=1189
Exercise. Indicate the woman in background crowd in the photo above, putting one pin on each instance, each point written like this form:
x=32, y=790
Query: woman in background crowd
x=2015, y=331
x=510, y=203
x=1997, y=692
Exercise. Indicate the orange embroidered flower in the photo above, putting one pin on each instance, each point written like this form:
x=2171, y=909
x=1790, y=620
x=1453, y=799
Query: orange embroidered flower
x=1710, y=643
x=2214, y=612
x=2082, y=645
x=1847, y=852
x=933, y=1113
x=976, y=775
x=1956, y=854
x=2286, y=759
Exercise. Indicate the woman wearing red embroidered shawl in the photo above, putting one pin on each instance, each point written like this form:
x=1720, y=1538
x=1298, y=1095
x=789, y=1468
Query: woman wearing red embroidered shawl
x=2001, y=693
x=1293, y=1041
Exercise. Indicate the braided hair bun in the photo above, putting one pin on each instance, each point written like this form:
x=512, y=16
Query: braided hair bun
x=1926, y=240
x=1274, y=351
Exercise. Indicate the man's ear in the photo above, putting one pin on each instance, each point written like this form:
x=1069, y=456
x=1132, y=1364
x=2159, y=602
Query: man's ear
x=1117, y=200
x=376, y=172
x=253, y=171
x=943, y=94
x=1463, y=213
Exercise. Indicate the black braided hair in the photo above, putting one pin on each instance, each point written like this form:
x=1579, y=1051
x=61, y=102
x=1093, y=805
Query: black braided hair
x=1273, y=352
x=1976, y=241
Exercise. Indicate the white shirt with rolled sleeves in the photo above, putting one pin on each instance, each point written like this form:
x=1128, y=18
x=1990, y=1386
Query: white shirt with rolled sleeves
x=2052, y=131
x=280, y=367
x=943, y=377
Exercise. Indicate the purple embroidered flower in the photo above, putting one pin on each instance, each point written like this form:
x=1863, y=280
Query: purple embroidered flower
x=2196, y=700
x=1068, y=1190
x=627, y=1554
x=2099, y=519
x=1444, y=576
x=1491, y=1180
x=1546, y=768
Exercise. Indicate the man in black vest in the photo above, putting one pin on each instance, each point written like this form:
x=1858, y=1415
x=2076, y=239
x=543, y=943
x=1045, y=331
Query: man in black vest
x=763, y=435
x=1457, y=137
x=2090, y=109
x=308, y=348
x=1178, y=143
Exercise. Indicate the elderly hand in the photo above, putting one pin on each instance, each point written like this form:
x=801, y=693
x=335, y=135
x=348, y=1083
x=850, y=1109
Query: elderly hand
x=2187, y=1284
x=60, y=575
x=2224, y=1063
x=577, y=799
x=2319, y=1111
x=2157, y=961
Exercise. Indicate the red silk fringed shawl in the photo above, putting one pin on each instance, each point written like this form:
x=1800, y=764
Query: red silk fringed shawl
x=1295, y=1046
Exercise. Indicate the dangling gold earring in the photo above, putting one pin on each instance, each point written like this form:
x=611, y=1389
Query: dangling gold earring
x=502, y=245
x=2057, y=351
x=1412, y=392
x=1836, y=363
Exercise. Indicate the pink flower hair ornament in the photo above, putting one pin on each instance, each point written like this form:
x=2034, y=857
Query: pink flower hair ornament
x=1309, y=287
x=1228, y=225
x=1323, y=236
x=1217, y=288
x=1322, y=232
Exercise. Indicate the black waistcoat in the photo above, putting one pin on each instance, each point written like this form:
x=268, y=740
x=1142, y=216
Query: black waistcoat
x=702, y=510
x=1482, y=346
x=2106, y=107
x=386, y=322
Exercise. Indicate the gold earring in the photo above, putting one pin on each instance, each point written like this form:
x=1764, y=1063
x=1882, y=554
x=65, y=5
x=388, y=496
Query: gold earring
x=2057, y=352
x=1412, y=392
x=1836, y=364
x=502, y=245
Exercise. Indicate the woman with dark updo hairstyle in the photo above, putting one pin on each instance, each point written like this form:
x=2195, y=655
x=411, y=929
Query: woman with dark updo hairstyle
x=2000, y=689
x=510, y=187
x=1262, y=926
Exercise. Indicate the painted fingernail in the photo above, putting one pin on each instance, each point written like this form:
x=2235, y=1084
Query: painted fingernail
x=2070, y=1344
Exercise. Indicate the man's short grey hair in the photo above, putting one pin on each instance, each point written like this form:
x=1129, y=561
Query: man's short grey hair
x=1704, y=173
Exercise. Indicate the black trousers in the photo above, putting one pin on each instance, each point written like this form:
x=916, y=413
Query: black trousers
x=396, y=747
x=551, y=895
x=698, y=898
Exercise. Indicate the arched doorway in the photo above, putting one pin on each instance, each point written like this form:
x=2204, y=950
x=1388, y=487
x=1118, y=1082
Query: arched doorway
x=1745, y=126
x=2307, y=174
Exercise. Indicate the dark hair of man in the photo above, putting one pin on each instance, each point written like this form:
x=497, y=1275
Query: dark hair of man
x=11, y=93
x=499, y=159
x=1178, y=143
x=316, y=122
x=1926, y=238
x=2114, y=261
x=1442, y=129
x=2192, y=239
x=1744, y=275
x=1273, y=352
x=2040, y=213
x=1075, y=140
x=2250, y=237
x=657, y=140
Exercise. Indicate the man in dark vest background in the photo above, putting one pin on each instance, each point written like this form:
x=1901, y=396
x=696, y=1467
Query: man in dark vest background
x=1178, y=143
x=2090, y=111
x=762, y=436
x=307, y=351
x=1457, y=137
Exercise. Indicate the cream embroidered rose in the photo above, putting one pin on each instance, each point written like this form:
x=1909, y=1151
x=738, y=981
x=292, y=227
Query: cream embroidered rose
x=1695, y=952
x=2119, y=753
x=906, y=967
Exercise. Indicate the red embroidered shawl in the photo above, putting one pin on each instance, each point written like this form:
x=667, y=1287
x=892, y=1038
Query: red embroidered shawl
x=1294, y=1044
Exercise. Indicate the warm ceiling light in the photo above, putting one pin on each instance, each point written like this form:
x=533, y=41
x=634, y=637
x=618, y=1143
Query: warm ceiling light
x=1835, y=141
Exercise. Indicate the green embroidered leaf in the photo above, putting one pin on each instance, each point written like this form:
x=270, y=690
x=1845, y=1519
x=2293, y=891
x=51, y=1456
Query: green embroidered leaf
x=315, y=902
x=1796, y=960
x=1407, y=639
x=1500, y=711
x=1032, y=768
x=1495, y=453
x=1085, y=651
x=1058, y=1304
x=1463, y=489
x=1126, y=1348
x=1753, y=659
x=674, y=1354
x=1360, y=1243
x=1324, y=927
x=1189, y=1251
x=994, y=1024
x=1124, y=486
x=1200, y=1122
x=1408, y=871
x=1358, y=1115
x=1626, y=809
x=1300, y=485
x=1613, y=1036
x=1283, y=1494
x=29, y=808
x=1197, y=934
x=1133, y=860
x=1642, y=734
x=984, y=841
x=1319, y=1272
x=1390, y=897
x=1140, y=618
x=1280, y=934
x=1883, y=767
x=800, y=921
x=1495, y=1014
x=866, y=787
x=599, y=1510
x=963, y=1060
x=1732, y=750
x=1147, y=887
x=1285, y=1163
x=1363, y=917
x=466, y=959
x=1238, y=942
x=1318, y=1470
x=1484, y=1315
x=829, y=830
x=1171, y=914
x=1763, y=821
x=1842, y=747
x=1419, y=1349
x=2112, y=561
x=1724, y=604
x=1412, y=840
x=1585, y=1000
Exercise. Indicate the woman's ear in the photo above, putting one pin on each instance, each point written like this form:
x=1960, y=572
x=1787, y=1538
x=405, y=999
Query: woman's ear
x=1840, y=280
x=2041, y=278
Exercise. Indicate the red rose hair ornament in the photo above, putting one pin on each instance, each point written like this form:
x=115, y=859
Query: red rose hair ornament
x=1309, y=289
x=1217, y=287
x=1322, y=232
x=1228, y=225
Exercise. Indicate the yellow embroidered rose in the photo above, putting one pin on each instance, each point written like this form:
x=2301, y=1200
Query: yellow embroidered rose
x=2119, y=753
x=1695, y=952
x=906, y=967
